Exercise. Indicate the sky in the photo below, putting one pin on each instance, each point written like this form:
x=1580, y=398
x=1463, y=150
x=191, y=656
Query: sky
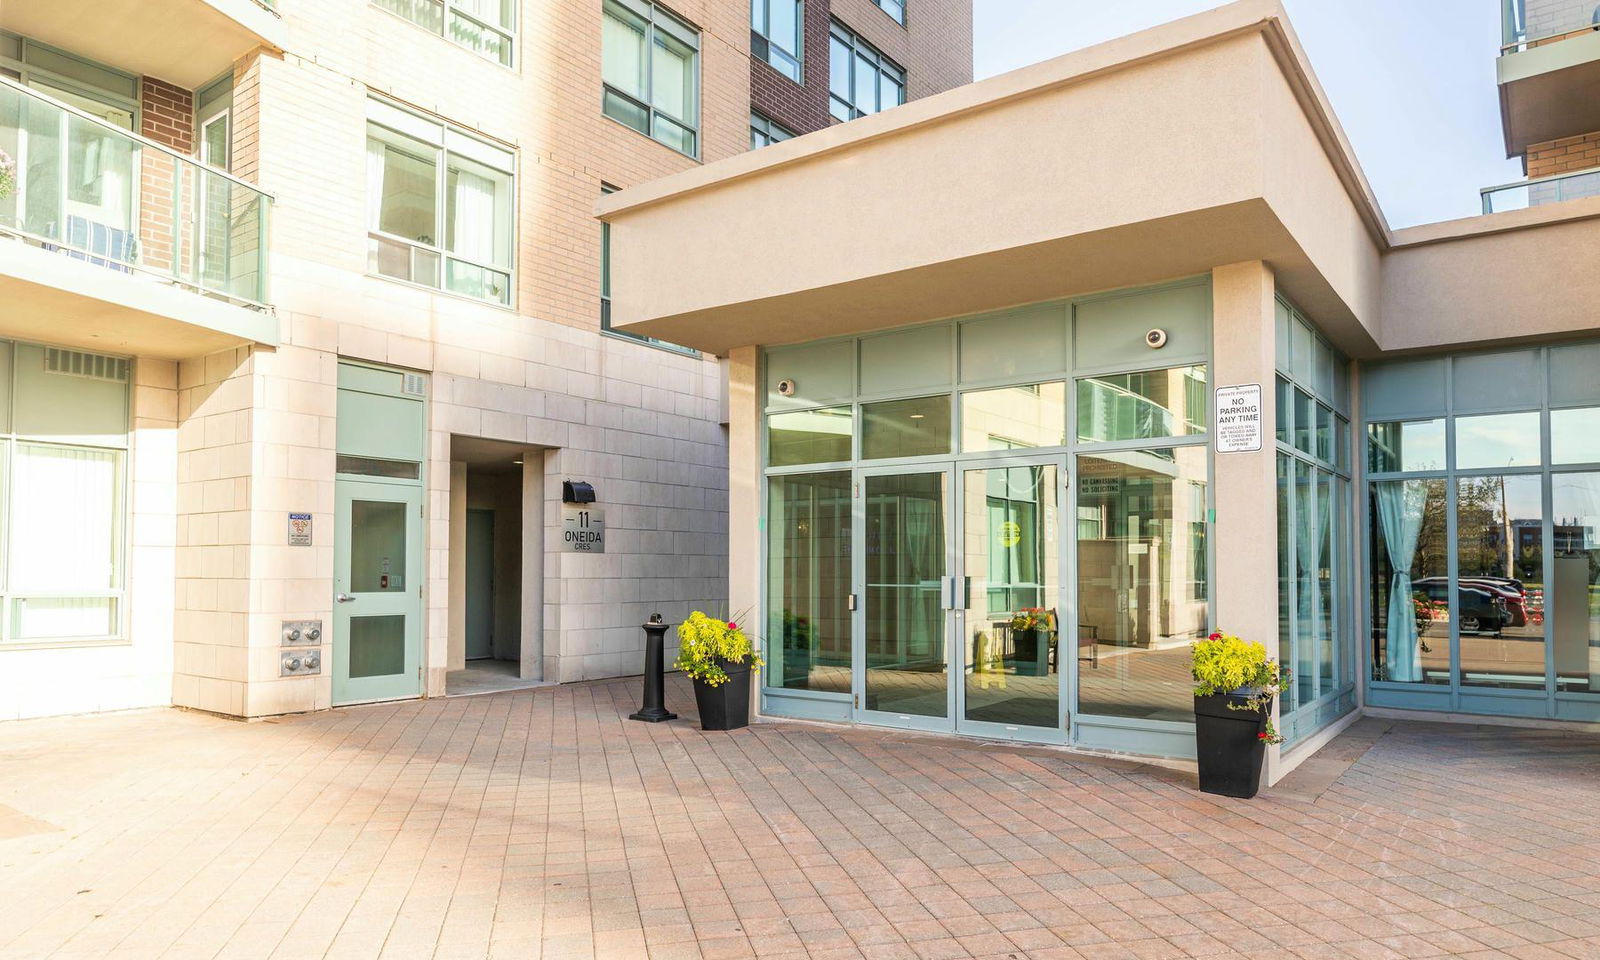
x=1411, y=81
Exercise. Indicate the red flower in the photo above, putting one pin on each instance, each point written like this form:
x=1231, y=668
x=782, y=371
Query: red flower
x=732, y=625
x=1262, y=735
x=1215, y=636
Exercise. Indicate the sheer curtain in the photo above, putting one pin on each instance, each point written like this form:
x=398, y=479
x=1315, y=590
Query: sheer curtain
x=63, y=539
x=375, y=165
x=1400, y=513
x=622, y=52
x=472, y=224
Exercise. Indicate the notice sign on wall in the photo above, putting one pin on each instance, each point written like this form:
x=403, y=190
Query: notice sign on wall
x=299, y=529
x=1239, y=419
x=583, y=528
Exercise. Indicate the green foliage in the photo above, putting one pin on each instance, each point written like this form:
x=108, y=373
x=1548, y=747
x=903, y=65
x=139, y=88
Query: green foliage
x=705, y=643
x=1223, y=663
x=8, y=174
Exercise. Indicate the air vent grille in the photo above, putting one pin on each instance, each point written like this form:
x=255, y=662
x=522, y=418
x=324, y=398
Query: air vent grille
x=90, y=366
x=414, y=385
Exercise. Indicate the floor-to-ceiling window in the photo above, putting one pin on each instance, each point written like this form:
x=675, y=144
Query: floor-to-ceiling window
x=930, y=517
x=63, y=453
x=1315, y=614
x=1483, y=518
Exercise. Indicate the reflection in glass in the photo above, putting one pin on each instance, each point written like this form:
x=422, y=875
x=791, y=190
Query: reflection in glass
x=1497, y=440
x=1405, y=445
x=1575, y=435
x=1500, y=590
x=1341, y=443
x=809, y=436
x=1410, y=597
x=1138, y=604
x=1285, y=409
x=1574, y=608
x=1014, y=418
x=1308, y=530
x=1011, y=582
x=907, y=668
x=1324, y=433
x=377, y=546
x=1286, y=467
x=1141, y=406
x=1323, y=578
x=905, y=428
x=377, y=646
x=1304, y=422
x=808, y=582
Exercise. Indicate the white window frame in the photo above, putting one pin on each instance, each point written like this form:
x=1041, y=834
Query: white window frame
x=447, y=140
x=772, y=50
x=10, y=439
x=860, y=49
x=448, y=10
x=658, y=19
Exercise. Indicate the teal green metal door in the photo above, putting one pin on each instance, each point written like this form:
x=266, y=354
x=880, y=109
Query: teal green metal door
x=480, y=584
x=377, y=582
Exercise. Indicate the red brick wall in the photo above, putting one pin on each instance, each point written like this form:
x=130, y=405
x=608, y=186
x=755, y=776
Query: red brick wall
x=934, y=46
x=167, y=117
x=1564, y=155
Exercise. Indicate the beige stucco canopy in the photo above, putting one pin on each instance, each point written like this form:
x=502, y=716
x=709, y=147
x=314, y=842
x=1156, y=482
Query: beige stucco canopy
x=1202, y=142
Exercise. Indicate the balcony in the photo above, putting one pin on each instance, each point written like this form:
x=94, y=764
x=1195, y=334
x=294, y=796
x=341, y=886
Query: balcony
x=184, y=42
x=120, y=235
x=1538, y=192
x=1549, y=70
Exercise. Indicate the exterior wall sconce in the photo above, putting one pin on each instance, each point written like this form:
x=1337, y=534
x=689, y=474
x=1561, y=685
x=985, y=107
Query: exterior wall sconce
x=577, y=491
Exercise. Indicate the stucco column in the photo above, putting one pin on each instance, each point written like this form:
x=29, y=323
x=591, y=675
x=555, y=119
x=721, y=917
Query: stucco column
x=744, y=495
x=531, y=663
x=1245, y=583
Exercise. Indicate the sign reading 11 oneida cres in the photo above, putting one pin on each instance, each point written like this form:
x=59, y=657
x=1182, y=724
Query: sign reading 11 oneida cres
x=1239, y=419
x=583, y=528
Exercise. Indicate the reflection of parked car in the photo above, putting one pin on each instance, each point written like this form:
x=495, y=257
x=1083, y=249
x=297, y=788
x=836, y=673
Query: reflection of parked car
x=1479, y=609
x=1511, y=591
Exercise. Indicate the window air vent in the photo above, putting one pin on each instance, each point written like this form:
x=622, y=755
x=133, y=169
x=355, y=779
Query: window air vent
x=413, y=385
x=90, y=366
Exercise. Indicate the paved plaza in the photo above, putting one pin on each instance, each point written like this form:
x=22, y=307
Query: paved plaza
x=543, y=823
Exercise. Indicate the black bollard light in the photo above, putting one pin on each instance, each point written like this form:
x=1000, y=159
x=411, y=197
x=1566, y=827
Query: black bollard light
x=654, y=709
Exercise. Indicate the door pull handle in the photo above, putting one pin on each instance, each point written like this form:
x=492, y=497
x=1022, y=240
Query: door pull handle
x=343, y=598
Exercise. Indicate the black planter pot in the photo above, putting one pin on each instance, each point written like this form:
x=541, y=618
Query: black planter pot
x=1228, y=744
x=726, y=706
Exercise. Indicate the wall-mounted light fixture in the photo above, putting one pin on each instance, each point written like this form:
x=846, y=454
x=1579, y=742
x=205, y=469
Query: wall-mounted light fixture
x=576, y=491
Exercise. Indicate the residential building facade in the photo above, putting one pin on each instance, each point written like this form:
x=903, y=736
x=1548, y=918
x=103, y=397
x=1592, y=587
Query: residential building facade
x=1154, y=365
x=306, y=354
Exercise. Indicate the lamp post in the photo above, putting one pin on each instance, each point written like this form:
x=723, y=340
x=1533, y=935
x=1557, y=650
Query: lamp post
x=654, y=709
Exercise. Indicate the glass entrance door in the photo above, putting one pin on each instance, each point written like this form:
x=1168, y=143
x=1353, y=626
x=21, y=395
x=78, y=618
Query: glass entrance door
x=1009, y=618
x=902, y=669
x=377, y=580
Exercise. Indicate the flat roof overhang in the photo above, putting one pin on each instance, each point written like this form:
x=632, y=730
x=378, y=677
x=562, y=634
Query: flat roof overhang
x=186, y=42
x=1550, y=91
x=1199, y=143
x=59, y=299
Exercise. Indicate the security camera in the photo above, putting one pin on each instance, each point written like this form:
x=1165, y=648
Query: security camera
x=786, y=388
x=1155, y=339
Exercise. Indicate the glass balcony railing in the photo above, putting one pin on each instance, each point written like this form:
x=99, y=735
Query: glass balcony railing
x=1537, y=193
x=96, y=192
x=1532, y=23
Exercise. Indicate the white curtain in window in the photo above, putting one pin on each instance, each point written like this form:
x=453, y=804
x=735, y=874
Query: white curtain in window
x=622, y=62
x=63, y=533
x=472, y=226
x=1400, y=513
x=375, y=163
x=496, y=12
x=672, y=78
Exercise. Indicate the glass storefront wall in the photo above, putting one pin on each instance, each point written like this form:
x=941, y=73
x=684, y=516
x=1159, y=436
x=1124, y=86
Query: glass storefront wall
x=920, y=567
x=1484, y=533
x=1315, y=616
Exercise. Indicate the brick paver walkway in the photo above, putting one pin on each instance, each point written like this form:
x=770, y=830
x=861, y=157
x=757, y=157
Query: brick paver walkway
x=545, y=824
